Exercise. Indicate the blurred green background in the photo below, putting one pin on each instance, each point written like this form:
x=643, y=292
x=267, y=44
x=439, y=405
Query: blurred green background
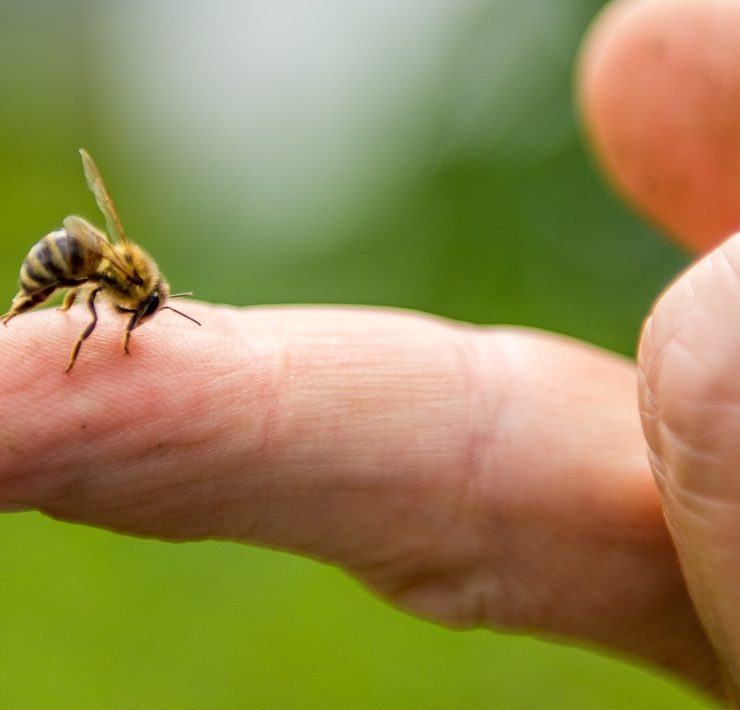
x=421, y=154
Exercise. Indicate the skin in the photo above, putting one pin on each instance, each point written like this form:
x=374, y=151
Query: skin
x=473, y=476
x=659, y=88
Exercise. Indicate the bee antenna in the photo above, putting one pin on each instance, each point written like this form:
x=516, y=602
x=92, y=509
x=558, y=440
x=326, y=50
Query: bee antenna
x=180, y=313
x=177, y=295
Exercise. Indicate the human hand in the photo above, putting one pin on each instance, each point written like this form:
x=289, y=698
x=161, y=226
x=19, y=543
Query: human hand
x=661, y=95
x=474, y=476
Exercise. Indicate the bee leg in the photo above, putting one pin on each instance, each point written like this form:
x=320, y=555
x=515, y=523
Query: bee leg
x=133, y=322
x=25, y=302
x=14, y=309
x=69, y=299
x=89, y=329
x=7, y=316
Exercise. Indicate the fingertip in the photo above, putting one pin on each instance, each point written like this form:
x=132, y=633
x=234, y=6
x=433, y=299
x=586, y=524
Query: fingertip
x=79, y=444
x=689, y=345
x=659, y=90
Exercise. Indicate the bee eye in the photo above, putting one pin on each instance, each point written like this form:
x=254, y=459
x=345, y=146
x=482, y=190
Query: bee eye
x=151, y=305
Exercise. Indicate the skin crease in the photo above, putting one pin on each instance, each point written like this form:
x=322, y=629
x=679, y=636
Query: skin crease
x=475, y=476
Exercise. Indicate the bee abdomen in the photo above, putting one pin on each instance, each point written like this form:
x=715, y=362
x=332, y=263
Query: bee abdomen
x=58, y=259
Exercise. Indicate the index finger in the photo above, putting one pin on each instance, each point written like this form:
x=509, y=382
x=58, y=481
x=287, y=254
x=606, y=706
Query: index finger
x=270, y=424
x=445, y=465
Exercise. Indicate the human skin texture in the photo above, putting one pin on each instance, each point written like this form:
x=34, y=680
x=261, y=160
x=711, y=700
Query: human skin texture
x=469, y=475
x=659, y=88
x=474, y=476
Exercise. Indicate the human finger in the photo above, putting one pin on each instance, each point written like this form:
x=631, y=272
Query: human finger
x=474, y=476
x=659, y=89
x=690, y=399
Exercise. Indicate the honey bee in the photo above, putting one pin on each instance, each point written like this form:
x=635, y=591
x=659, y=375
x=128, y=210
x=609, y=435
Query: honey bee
x=81, y=257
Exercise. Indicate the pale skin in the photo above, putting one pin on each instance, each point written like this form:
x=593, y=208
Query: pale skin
x=490, y=477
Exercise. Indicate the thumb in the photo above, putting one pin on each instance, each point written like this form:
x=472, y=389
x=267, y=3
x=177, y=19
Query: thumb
x=690, y=403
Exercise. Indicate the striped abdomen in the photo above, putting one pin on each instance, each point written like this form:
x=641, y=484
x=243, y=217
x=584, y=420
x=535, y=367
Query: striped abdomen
x=58, y=260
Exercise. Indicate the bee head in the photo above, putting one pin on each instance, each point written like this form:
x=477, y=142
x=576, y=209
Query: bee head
x=155, y=300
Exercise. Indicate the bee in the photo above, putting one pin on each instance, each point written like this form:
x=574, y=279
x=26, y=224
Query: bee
x=80, y=257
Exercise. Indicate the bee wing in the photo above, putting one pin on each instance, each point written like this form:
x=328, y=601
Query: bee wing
x=105, y=204
x=97, y=242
